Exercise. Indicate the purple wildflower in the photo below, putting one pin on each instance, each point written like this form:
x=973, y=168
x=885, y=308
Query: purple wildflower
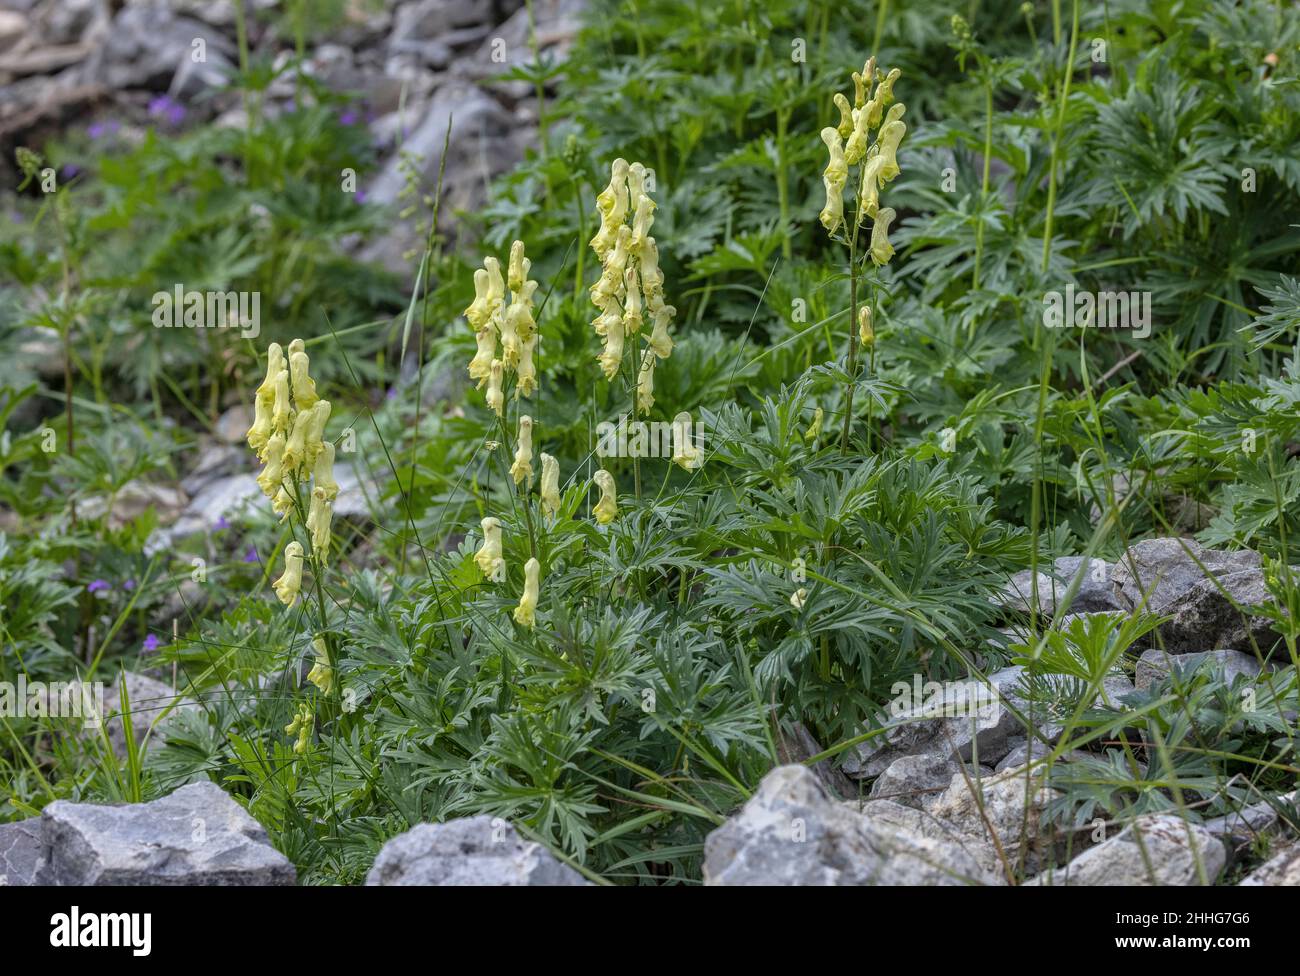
x=129, y=585
x=349, y=117
x=171, y=111
x=97, y=130
x=98, y=585
x=152, y=643
x=251, y=556
x=222, y=523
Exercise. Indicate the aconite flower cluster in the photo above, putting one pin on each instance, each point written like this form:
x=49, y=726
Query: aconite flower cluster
x=506, y=334
x=288, y=434
x=630, y=286
x=850, y=144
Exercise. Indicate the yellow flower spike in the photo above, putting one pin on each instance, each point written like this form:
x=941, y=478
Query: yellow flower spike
x=323, y=472
x=478, y=311
x=550, y=486
x=496, y=286
x=815, y=428
x=517, y=270
x=869, y=191
x=607, y=508
x=891, y=134
x=496, y=400
x=686, y=455
x=272, y=472
x=522, y=469
x=489, y=558
x=866, y=335
x=845, y=128
x=321, y=674
x=319, y=516
x=304, y=387
x=282, y=413
x=288, y=585
x=645, y=383
x=525, y=612
x=881, y=249
x=836, y=175
x=527, y=373
x=631, y=303
x=659, y=340
x=301, y=726
x=862, y=81
x=480, y=367
x=611, y=356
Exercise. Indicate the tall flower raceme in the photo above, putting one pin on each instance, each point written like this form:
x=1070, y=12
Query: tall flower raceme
x=866, y=164
x=288, y=435
x=505, y=334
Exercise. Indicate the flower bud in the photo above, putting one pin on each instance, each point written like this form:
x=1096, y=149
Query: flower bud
x=866, y=335
x=524, y=613
x=686, y=455
x=522, y=469
x=550, y=486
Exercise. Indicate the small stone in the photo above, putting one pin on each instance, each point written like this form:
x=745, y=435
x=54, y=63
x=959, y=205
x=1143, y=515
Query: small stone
x=915, y=781
x=1010, y=804
x=1281, y=870
x=791, y=833
x=1168, y=568
x=196, y=836
x=20, y=850
x=1168, y=854
x=472, y=851
x=1214, y=613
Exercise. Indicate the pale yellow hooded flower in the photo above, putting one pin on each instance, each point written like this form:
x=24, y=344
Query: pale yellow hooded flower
x=264, y=401
x=891, y=134
x=833, y=179
x=527, y=373
x=320, y=415
x=323, y=472
x=881, y=249
x=550, y=486
x=295, y=448
x=517, y=272
x=611, y=356
x=869, y=192
x=862, y=81
x=815, y=428
x=496, y=286
x=645, y=383
x=489, y=557
x=845, y=128
x=866, y=335
x=272, y=472
x=686, y=454
x=613, y=205
x=282, y=412
x=496, y=399
x=288, y=585
x=510, y=342
x=631, y=303
x=321, y=674
x=479, y=311
x=304, y=387
x=319, y=516
x=525, y=612
x=480, y=367
x=659, y=340
x=522, y=469
x=607, y=508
